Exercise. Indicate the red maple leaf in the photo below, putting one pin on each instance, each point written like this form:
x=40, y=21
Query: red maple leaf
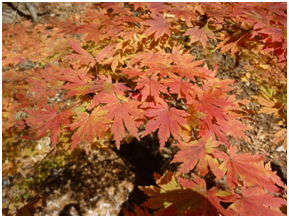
x=190, y=70
x=39, y=90
x=89, y=126
x=79, y=82
x=123, y=112
x=177, y=57
x=247, y=167
x=168, y=120
x=198, y=153
x=214, y=195
x=105, y=86
x=83, y=56
x=172, y=200
x=48, y=119
x=157, y=7
x=158, y=25
x=182, y=87
x=119, y=8
x=150, y=87
x=253, y=201
x=147, y=58
x=183, y=10
x=86, y=58
x=200, y=34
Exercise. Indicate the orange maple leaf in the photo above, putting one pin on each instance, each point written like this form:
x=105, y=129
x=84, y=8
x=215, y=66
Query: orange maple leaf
x=170, y=199
x=89, y=126
x=158, y=25
x=200, y=34
x=150, y=87
x=198, y=153
x=123, y=113
x=83, y=56
x=254, y=201
x=48, y=119
x=248, y=167
x=168, y=120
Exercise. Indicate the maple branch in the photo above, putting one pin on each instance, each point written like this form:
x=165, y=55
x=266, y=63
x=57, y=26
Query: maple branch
x=32, y=12
x=195, y=134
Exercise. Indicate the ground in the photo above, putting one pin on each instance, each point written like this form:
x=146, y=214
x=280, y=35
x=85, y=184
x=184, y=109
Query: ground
x=100, y=183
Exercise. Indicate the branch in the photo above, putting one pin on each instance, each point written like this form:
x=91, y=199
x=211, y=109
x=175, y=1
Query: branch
x=32, y=12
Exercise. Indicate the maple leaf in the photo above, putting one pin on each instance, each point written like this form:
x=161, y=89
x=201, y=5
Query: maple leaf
x=162, y=69
x=248, y=167
x=132, y=72
x=168, y=120
x=200, y=34
x=67, y=26
x=89, y=126
x=156, y=7
x=253, y=201
x=198, y=153
x=83, y=56
x=223, y=127
x=158, y=25
x=190, y=70
x=179, y=85
x=231, y=43
x=214, y=195
x=86, y=58
x=177, y=57
x=39, y=90
x=170, y=199
x=79, y=82
x=119, y=8
x=123, y=113
x=150, y=87
x=48, y=119
x=92, y=32
x=185, y=12
x=211, y=102
x=105, y=86
x=147, y=58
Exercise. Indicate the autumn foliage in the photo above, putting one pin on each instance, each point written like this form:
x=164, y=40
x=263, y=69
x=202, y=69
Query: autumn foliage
x=125, y=69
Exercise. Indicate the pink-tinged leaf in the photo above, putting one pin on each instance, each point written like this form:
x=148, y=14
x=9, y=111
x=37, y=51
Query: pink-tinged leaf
x=150, y=87
x=253, y=201
x=248, y=168
x=178, y=85
x=198, y=154
x=83, y=56
x=177, y=57
x=48, y=119
x=89, y=126
x=167, y=120
x=123, y=113
x=158, y=25
x=200, y=34
x=105, y=53
x=171, y=200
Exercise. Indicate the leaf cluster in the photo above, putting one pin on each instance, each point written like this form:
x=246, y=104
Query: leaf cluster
x=126, y=69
